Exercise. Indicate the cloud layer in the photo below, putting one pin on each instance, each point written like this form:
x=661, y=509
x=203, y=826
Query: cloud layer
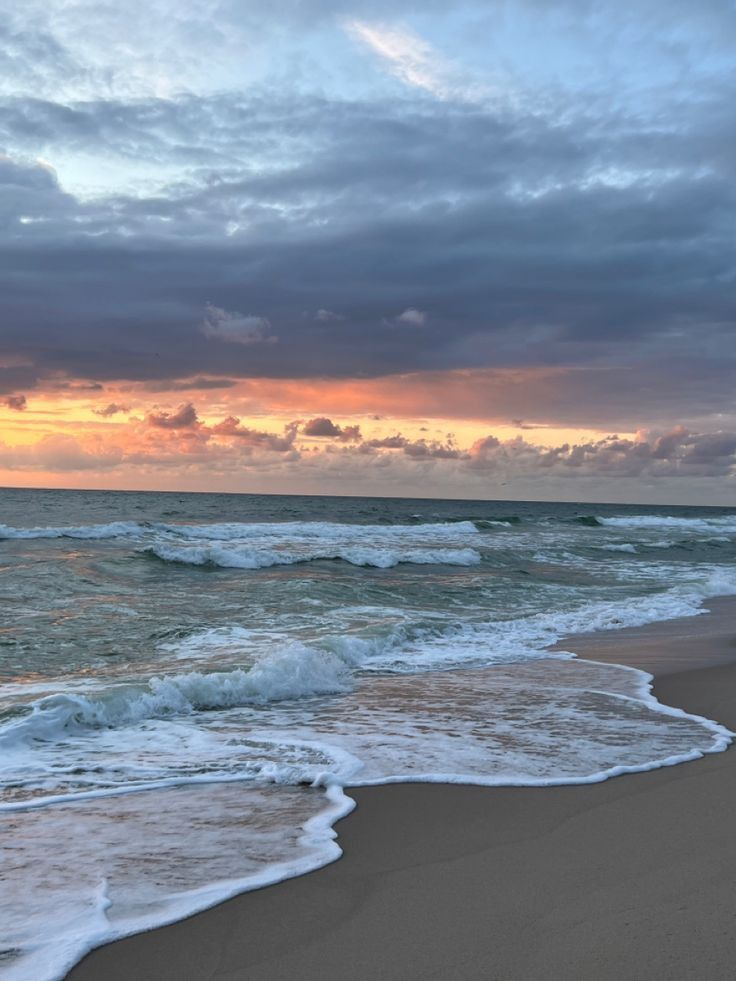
x=477, y=211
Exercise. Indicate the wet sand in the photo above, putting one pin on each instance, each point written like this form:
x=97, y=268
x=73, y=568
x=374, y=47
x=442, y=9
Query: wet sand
x=628, y=879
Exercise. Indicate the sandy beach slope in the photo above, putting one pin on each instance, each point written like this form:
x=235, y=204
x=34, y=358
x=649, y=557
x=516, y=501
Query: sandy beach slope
x=629, y=879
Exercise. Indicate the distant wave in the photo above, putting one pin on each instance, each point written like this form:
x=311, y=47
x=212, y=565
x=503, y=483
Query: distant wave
x=317, y=530
x=237, y=530
x=488, y=523
x=260, y=545
x=413, y=529
x=114, y=529
x=724, y=523
x=243, y=557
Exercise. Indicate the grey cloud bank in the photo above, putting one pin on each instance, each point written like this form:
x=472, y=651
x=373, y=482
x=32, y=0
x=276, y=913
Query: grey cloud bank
x=587, y=227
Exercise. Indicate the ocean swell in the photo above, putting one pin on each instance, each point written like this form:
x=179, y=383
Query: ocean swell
x=244, y=557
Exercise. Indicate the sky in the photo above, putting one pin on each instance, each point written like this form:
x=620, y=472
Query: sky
x=483, y=249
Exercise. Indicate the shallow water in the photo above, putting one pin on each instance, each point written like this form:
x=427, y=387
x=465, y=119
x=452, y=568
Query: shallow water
x=189, y=681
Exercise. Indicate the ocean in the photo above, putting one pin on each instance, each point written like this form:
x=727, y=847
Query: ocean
x=190, y=684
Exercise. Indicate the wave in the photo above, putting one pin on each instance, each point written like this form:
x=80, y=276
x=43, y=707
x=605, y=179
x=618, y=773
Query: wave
x=685, y=544
x=233, y=557
x=415, y=530
x=295, y=672
x=724, y=524
x=182, y=853
x=321, y=530
x=488, y=523
x=622, y=547
x=324, y=531
x=113, y=529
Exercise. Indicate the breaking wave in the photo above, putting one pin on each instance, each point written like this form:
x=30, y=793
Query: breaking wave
x=725, y=524
x=234, y=557
x=113, y=529
x=295, y=672
x=237, y=530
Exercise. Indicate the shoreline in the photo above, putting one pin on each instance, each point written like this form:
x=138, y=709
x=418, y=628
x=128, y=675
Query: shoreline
x=667, y=646
x=627, y=878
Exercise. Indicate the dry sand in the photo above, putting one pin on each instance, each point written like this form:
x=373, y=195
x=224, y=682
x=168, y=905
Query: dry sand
x=634, y=878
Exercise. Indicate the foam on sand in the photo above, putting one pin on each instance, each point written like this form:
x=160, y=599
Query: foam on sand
x=128, y=867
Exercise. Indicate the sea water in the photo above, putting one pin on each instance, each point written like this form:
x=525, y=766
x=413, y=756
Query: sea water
x=191, y=683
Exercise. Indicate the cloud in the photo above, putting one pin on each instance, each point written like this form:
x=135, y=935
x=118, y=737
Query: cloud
x=420, y=449
x=76, y=386
x=17, y=402
x=675, y=463
x=678, y=452
x=397, y=442
x=185, y=417
x=61, y=454
x=236, y=328
x=254, y=438
x=190, y=384
x=328, y=316
x=412, y=317
x=407, y=56
x=501, y=288
x=564, y=232
x=323, y=426
x=112, y=409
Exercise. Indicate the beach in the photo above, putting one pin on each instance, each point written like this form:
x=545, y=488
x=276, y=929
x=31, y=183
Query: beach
x=629, y=878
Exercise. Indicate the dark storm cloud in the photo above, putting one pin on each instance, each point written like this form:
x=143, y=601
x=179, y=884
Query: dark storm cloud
x=560, y=237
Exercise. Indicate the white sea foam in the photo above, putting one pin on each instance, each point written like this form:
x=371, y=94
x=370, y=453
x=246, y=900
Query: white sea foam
x=241, y=557
x=299, y=671
x=680, y=543
x=113, y=529
x=243, y=531
x=127, y=868
x=260, y=545
x=322, y=531
x=725, y=523
x=295, y=672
